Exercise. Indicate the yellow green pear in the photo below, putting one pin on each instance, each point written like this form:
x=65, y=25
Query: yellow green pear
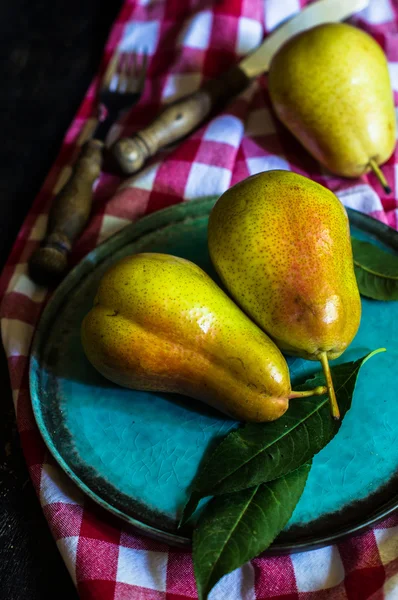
x=160, y=323
x=281, y=245
x=330, y=86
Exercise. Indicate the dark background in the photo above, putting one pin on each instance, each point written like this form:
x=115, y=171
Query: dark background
x=49, y=51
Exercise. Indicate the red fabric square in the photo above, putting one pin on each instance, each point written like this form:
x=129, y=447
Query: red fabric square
x=19, y=306
x=129, y=203
x=224, y=33
x=363, y=583
x=217, y=154
x=6, y=275
x=228, y=7
x=93, y=590
x=96, y=559
x=177, y=11
x=25, y=417
x=95, y=528
x=186, y=151
x=107, y=188
x=176, y=171
x=391, y=521
x=217, y=62
x=19, y=372
x=180, y=576
x=361, y=553
x=274, y=576
x=240, y=172
x=33, y=447
x=161, y=61
x=159, y=200
x=141, y=115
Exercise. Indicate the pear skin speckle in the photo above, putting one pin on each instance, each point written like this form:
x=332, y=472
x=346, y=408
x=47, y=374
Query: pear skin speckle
x=330, y=86
x=287, y=261
x=160, y=323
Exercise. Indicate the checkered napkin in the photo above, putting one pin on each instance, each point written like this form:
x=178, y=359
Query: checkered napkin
x=188, y=42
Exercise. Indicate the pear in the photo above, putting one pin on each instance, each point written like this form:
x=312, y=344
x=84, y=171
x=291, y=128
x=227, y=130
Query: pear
x=330, y=86
x=281, y=245
x=160, y=323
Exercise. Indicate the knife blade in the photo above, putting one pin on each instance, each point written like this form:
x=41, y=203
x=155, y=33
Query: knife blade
x=317, y=13
x=180, y=118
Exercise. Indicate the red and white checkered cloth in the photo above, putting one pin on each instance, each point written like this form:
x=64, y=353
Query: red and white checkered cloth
x=190, y=41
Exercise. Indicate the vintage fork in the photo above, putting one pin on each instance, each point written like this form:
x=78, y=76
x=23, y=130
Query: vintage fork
x=120, y=88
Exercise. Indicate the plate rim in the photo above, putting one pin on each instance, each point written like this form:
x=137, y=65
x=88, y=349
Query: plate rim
x=145, y=225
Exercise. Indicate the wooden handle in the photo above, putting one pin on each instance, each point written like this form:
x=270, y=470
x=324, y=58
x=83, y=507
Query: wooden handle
x=68, y=216
x=176, y=121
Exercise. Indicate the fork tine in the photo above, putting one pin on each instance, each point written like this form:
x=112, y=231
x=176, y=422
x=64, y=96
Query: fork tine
x=133, y=72
x=144, y=61
x=143, y=68
x=123, y=72
x=110, y=71
x=137, y=73
x=130, y=68
x=132, y=76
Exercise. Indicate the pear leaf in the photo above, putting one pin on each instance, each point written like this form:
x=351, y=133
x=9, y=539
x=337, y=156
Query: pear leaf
x=261, y=452
x=376, y=271
x=235, y=528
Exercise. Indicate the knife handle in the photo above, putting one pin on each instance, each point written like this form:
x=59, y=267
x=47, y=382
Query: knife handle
x=176, y=121
x=68, y=216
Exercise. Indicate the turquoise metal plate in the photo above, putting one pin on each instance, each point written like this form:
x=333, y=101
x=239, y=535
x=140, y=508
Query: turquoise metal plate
x=137, y=453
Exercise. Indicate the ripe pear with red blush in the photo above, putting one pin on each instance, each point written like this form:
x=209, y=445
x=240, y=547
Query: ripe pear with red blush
x=281, y=245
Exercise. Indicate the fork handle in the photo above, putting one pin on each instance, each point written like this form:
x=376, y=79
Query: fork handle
x=177, y=120
x=68, y=216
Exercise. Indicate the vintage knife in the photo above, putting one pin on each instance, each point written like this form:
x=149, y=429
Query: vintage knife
x=180, y=118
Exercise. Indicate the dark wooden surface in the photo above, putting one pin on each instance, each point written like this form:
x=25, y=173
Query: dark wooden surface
x=49, y=51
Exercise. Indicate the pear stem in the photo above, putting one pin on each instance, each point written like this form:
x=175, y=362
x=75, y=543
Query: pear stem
x=334, y=408
x=318, y=391
x=380, y=175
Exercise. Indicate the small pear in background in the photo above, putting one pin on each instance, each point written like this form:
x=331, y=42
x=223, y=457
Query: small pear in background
x=281, y=245
x=330, y=86
x=160, y=323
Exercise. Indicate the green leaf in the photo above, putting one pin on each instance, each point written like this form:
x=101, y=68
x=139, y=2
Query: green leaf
x=376, y=271
x=260, y=452
x=234, y=528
